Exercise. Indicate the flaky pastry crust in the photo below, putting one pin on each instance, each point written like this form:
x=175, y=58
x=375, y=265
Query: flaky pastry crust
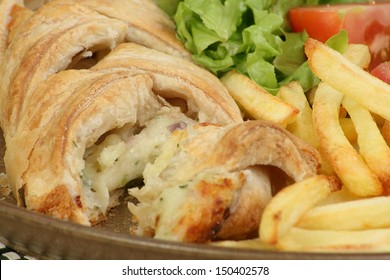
x=47, y=43
x=176, y=77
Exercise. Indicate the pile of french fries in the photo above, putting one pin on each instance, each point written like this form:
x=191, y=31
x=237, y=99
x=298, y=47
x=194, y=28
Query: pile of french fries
x=345, y=207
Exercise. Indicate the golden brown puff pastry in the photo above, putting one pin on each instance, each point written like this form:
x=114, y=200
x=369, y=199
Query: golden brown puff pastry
x=48, y=41
x=211, y=181
x=148, y=24
x=71, y=111
x=176, y=77
x=6, y=7
x=20, y=16
x=8, y=11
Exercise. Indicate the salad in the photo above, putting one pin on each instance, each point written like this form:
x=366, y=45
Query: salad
x=264, y=39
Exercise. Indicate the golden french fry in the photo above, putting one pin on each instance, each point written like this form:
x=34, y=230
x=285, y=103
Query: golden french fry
x=256, y=101
x=386, y=132
x=380, y=121
x=359, y=214
x=347, y=163
x=342, y=195
x=358, y=54
x=247, y=243
x=342, y=113
x=303, y=127
x=290, y=204
x=310, y=95
x=372, y=146
x=305, y=240
x=348, y=78
x=348, y=129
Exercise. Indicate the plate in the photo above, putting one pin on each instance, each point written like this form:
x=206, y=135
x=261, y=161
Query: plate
x=44, y=237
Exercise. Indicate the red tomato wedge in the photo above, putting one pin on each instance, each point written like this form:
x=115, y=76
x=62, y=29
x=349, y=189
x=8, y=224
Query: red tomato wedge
x=382, y=71
x=365, y=23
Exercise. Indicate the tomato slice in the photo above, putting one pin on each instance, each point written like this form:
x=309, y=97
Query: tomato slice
x=365, y=23
x=382, y=71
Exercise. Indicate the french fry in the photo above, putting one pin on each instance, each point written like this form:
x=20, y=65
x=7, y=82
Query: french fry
x=303, y=127
x=342, y=195
x=310, y=95
x=362, y=214
x=358, y=54
x=304, y=240
x=386, y=132
x=348, y=129
x=348, y=78
x=380, y=121
x=256, y=101
x=347, y=163
x=247, y=243
x=342, y=113
x=290, y=204
x=372, y=146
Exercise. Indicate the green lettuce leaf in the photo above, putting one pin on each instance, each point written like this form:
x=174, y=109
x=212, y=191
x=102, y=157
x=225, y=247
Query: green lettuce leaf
x=339, y=42
x=168, y=6
x=250, y=36
x=232, y=34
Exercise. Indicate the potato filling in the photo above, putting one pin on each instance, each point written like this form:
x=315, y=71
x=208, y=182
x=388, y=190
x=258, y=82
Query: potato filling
x=120, y=158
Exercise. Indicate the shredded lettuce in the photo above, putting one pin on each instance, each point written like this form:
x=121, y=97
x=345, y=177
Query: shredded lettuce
x=168, y=6
x=250, y=36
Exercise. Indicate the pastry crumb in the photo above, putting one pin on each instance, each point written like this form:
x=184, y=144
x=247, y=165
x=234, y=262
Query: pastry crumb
x=5, y=188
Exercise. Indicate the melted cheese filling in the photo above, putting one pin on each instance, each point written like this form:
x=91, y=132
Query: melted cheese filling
x=117, y=160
